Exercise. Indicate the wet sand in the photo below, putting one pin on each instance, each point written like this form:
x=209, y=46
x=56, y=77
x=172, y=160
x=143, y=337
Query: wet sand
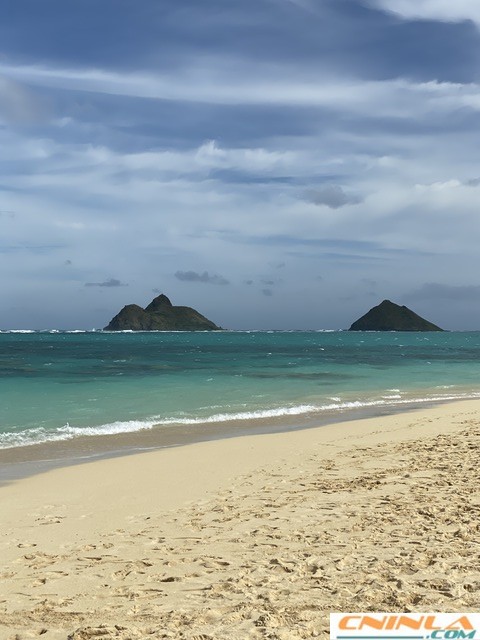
x=248, y=537
x=20, y=462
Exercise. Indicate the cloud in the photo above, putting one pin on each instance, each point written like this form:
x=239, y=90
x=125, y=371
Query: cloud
x=442, y=10
x=202, y=156
x=211, y=155
x=112, y=282
x=255, y=84
x=437, y=291
x=18, y=105
x=267, y=292
x=193, y=276
x=39, y=249
x=323, y=244
x=332, y=196
x=305, y=5
x=473, y=182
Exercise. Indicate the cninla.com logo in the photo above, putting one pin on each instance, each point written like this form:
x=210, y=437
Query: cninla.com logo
x=404, y=626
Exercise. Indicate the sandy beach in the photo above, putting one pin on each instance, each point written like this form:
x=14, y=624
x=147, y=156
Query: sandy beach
x=256, y=537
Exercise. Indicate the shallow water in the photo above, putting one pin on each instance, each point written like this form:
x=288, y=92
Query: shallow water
x=59, y=386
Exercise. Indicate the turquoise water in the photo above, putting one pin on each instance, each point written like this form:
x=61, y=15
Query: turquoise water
x=57, y=386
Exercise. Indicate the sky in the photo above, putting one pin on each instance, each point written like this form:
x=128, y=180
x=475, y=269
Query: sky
x=275, y=164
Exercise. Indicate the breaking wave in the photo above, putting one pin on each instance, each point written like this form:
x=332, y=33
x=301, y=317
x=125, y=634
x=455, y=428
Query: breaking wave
x=37, y=435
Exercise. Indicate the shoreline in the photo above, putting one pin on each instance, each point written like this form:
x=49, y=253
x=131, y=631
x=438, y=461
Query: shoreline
x=28, y=460
x=250, y=537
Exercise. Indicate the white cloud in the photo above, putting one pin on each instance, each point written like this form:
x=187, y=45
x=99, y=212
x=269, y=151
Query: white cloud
x=211, y=155
x=240, y=83
x=73, y=195
x=443, y=10
x=169, y=208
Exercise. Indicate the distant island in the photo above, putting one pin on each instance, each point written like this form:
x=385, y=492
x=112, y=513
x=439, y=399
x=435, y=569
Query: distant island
x=388, y=316
x=160, y=315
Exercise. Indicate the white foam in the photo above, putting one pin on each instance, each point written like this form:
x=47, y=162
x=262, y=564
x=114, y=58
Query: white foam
x=68, y=432
x=39, y=435
x=19, y=331
x=259, y=414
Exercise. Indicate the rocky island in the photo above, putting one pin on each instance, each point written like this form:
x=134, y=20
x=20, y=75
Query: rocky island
x=388, y=316
x=160, y=315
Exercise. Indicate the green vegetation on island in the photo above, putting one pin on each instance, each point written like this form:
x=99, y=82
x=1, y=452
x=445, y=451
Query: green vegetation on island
x=160, y=315
x=388, y=316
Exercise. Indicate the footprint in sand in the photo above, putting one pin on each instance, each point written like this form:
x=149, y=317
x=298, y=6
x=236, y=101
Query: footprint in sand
x=50, y=519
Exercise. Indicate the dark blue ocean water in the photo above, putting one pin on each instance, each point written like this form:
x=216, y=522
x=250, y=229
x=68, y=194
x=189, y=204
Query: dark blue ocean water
x=57, y=386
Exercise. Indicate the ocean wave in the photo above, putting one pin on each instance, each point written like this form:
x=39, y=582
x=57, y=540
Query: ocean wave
x=39, y=435
x=259, y=414
x=49, y=331
x=17, y=331
x=68, y=432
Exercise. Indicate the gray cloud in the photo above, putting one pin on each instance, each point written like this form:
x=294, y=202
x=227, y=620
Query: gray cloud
x=34, y=249
x=193, y=276
x=332, y=196
x=112, y=282
x=19, y=105
x=369, y=282
x=437, y=291
x=218, y=169
x=267, y=292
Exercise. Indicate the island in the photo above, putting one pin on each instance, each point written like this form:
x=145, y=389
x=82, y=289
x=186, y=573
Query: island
x=160, y=315
x=388, y=316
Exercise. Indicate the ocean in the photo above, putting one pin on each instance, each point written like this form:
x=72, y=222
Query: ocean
x=59, y=386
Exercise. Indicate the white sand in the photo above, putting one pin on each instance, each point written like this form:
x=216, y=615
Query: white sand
x=253, y=537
